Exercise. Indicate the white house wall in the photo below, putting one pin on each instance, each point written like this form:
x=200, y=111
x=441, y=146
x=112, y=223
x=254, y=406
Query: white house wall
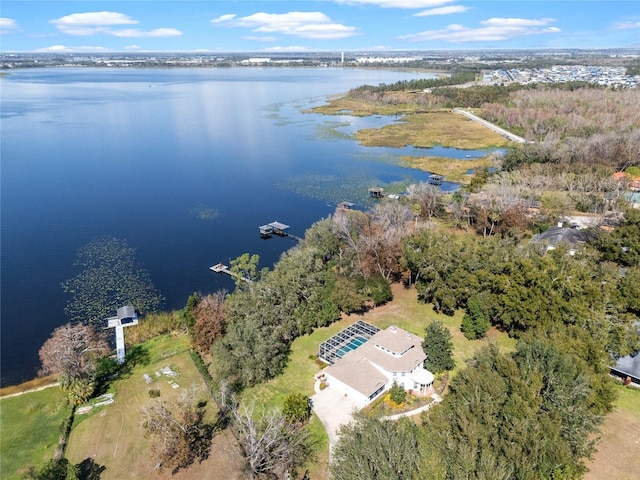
x=345, y=389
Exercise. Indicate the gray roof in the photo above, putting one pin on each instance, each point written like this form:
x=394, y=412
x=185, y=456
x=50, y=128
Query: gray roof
x=278, y=225
x=629, y=366
x=358, y=373
x=557, y=235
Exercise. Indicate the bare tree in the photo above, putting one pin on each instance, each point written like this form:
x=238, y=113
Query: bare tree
x=428, y=197
x=72, y=351
x=180, y=434
x=271, y=446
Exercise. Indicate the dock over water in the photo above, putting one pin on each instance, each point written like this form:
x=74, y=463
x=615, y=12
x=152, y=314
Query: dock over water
x=222, y=268
x=276, y=228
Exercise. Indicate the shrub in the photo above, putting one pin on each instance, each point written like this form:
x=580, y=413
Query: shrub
x=154, y=392
x=397, y=394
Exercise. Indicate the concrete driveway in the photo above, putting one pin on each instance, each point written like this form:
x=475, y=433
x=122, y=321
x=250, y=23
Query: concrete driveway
x=333, y=409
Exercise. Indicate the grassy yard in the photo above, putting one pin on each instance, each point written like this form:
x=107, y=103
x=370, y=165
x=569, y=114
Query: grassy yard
x=113, y=436
x=31, y=425
x=404, y=311
x=618, y=454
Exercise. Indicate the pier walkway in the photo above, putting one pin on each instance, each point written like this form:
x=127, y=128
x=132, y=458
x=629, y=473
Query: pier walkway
x=505, y=133
x=222, y=268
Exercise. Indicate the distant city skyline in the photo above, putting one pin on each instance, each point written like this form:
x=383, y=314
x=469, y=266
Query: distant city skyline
x=278, y=26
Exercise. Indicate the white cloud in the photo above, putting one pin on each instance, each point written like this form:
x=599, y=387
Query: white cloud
x=293, y=48
x=443, y=10
x=517, y=22
x=133, y=47
x=91, y=23
x=135, y=33
x=315, y=25
x=8, y=25
x=397, y=3
x=627, y=25
x=64, y=49
x=494, y=29
x=224, y=18
x=260, y=39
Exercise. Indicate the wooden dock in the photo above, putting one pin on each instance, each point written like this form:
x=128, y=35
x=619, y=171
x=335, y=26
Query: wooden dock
x=222, y=268
x=275, y=228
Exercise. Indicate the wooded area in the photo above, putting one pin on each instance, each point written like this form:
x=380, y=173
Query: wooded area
x=529, y=414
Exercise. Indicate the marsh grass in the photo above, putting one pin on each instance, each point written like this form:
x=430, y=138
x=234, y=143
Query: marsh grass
x=330, y=131
x=426, y=130
x=31, y=425
x=455, y=170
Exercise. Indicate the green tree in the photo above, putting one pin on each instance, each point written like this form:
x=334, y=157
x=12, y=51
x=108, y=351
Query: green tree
x=622, y=245
x=438, y=346
x=245, y=267
x=373, y=449
x=296, y=408
x=187, y=313
x=525, y=415
x=397, y=393
x=55, y=469
x=475, y=322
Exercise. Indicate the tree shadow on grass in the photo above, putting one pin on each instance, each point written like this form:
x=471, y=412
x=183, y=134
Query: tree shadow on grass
x=137, y=355
x=109, y=369
x=90, y=470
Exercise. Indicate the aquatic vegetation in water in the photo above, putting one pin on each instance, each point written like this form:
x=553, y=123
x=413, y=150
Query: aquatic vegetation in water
x=204, y=212
x=110, y=279
x=330, y=131
x=334, y=189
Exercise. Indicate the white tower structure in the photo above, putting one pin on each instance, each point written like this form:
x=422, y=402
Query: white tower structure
x=126, y=317
x=342, y=57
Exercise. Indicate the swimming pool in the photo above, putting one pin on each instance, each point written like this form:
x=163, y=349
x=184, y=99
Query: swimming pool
x=352, y=345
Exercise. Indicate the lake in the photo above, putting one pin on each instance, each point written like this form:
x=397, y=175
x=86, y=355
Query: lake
x=183, y=164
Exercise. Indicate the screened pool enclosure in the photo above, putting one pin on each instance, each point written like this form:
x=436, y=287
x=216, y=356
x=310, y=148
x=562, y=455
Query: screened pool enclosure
x=348, y=339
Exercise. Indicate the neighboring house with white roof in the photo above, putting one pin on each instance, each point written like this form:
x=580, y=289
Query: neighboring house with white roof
x=365, y=372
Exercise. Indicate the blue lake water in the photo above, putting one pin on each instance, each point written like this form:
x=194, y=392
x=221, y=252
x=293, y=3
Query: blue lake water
x=136, y=154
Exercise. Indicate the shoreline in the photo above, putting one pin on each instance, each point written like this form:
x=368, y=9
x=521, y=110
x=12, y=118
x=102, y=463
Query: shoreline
x=33, y=385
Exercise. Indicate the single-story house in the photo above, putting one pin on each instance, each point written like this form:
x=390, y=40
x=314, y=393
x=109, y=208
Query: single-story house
x=391, y=355
x=555, y=236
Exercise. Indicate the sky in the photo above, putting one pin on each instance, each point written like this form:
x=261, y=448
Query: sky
x=314, y=25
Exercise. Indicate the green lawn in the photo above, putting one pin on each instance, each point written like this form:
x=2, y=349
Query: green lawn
x=404, y=311
x=31, y=425
x=112, y=435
